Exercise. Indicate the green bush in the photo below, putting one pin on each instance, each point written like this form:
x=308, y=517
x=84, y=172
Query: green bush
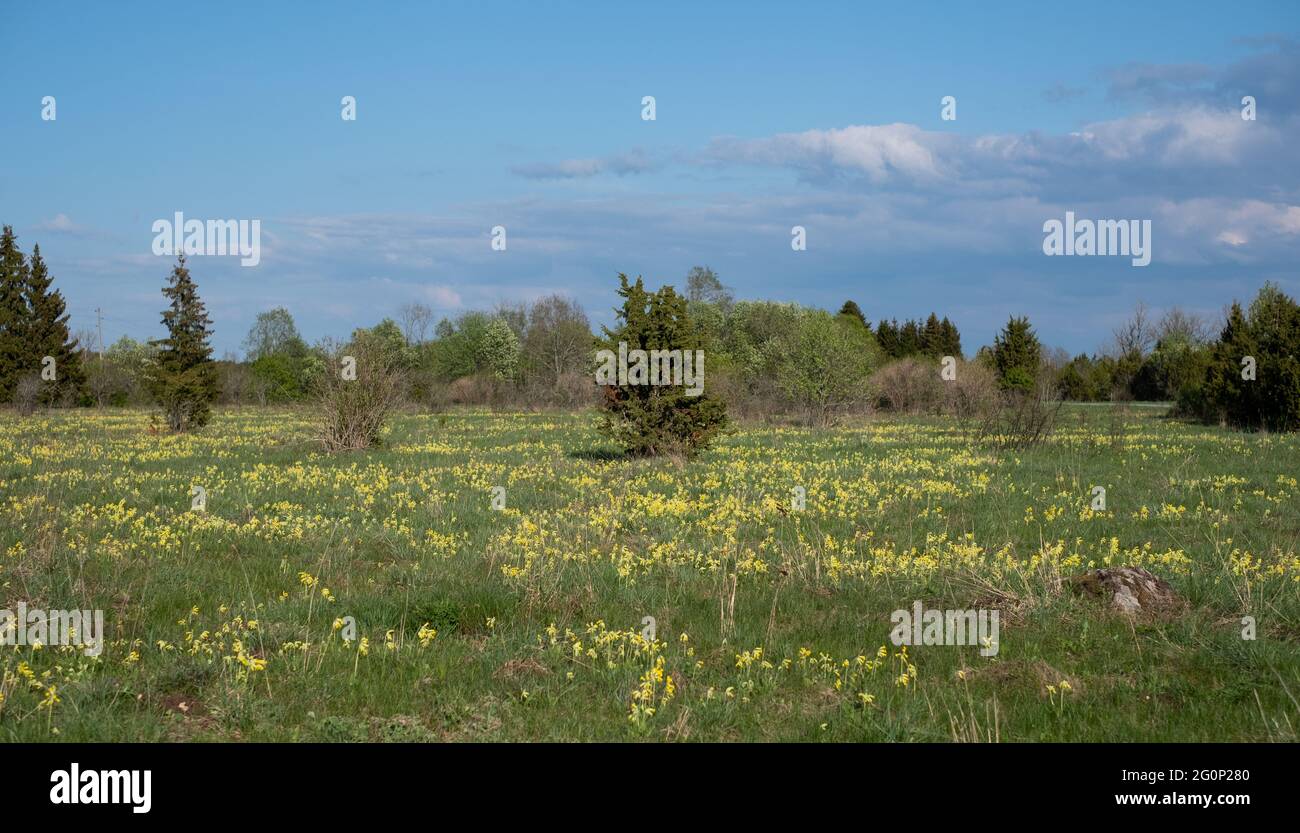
x=652, y=419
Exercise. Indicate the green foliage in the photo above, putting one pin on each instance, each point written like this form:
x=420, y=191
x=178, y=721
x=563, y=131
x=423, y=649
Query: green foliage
x=34, y=326
x=1017, y=355
x=1270, y=334
x=657, y=419
x=934, y=339
x=852, y=310
x=1177, y=364
x=456, y=351
x=13, y=313
x=182, y=378
x=388, y=337
x=756, y=333
x=703, y=284
x=824, y=363
x=1087, y=379
x=283, y=375
x=499, y=350
x=46, y=334
x=273, y=334
x=279, y=357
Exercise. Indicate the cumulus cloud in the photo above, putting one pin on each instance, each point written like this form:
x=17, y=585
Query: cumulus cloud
x=878, y=152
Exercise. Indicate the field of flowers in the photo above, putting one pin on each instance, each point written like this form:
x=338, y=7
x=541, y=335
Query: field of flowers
x=381, y=596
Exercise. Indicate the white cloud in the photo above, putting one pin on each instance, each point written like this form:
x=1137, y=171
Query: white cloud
x=62, y=224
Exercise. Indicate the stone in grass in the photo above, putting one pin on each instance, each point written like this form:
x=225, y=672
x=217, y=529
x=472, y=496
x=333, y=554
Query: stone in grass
x=1131, y=590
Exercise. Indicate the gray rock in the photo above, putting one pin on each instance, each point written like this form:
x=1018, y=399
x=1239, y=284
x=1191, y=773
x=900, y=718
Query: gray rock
x=1130, y=590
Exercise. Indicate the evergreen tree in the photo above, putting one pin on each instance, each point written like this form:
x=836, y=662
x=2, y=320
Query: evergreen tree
x=46, y=334
x=950, y=339
x=932, y=338
x=909, y=339
x=1268, y=333
x=183, y=379
x=1017, y=354
x=887, y=337
x=852, y=309
x=648, y=418
x=13, y=313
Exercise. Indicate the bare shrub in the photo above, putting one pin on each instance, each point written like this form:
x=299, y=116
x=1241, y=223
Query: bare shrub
x=1020, y=418
x=353, y=410
x=973, y=393
x=916, y=386
x=27, y=394
x=747, y=399
x=910, y=386
x=479, y=389
x=575, y=389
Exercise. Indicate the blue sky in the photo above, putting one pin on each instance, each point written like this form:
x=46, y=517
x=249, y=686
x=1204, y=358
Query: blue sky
x=528, y=115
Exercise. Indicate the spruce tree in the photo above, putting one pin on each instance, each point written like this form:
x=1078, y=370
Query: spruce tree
x=950, y=338
x=183, y=377
x=887, y=337
x=1269, y=398
x=932, y=338
x=46, y=334
x=13, y=313
x=1017, y=354
x=909, y=339
x=852, y=309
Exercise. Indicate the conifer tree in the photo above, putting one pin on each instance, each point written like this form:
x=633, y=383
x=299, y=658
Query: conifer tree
x=1016, y=355
x=852, y=309
x=950, y=338
x=13, y=313
x=887, y=337
x=1252, y=379
x=183, y=378
x=932, y=337
x=909, y=339
x=46, y=334
x=665, y=418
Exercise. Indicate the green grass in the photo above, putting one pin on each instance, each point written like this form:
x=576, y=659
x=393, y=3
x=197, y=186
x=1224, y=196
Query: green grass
x=94, y=513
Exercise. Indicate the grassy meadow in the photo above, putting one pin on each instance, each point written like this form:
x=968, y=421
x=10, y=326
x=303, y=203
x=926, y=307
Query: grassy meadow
x=526, y=622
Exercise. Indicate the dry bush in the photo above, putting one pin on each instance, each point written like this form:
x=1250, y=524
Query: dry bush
x=479, y=389
x=27, y=394
x=758, y=399
x=353, y=411
x=910, y=386
x=1020, y=419
x=571, y=389
x=972, y=394
x=915, y=386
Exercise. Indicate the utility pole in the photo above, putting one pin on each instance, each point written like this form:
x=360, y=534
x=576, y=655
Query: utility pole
x=99, y=323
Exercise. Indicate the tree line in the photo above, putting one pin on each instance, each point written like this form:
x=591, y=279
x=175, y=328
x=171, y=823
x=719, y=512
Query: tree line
x=762, y=356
